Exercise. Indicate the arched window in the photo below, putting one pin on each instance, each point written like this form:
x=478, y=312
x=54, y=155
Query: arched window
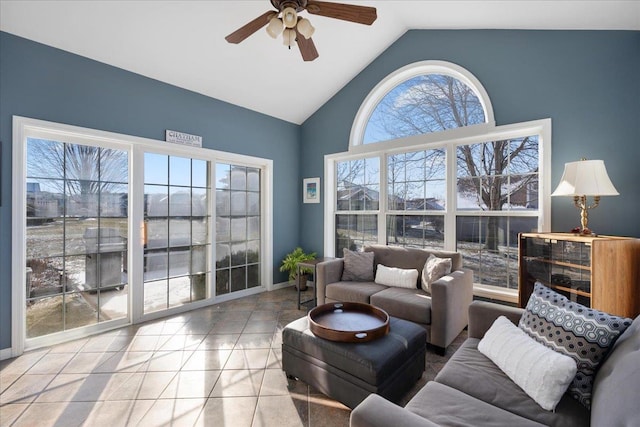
x=428, y=167
x=421, y=98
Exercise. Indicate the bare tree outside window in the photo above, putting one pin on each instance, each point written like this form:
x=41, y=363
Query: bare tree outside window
x=424, y=104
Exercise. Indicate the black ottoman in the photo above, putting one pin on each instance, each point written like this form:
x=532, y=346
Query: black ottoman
x=349, y=372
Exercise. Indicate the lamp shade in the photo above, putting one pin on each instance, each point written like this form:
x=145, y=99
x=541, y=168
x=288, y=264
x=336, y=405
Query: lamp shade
x=289, y=17
x=288, y=37
x=305, y=28
x=585, y=178
x=275, y=27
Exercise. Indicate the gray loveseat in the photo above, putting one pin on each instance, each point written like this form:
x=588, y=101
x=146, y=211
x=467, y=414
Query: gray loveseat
x=443, y=312
x=471, y=390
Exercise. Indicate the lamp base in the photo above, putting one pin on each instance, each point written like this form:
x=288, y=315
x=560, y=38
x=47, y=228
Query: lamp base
x=583, y=231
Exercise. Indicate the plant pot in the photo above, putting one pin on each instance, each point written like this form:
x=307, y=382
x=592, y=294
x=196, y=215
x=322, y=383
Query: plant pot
x=301, y=282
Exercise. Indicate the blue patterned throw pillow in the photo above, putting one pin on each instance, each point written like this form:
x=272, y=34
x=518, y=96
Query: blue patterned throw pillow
x=582, y=333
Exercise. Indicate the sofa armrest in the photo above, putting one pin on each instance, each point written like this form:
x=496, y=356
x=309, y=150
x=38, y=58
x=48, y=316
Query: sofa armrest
x=450, y=299
x=327, y=272
x=482, y=314
x=377, y=411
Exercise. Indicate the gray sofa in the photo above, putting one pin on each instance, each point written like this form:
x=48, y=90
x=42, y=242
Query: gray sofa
x=443, y=312
x=471, y=390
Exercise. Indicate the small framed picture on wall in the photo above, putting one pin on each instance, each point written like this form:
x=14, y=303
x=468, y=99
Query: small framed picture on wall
x=311, y=190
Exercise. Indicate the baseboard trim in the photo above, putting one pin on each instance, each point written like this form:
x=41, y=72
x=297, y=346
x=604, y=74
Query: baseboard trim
x=6, y=353
x=282, y=285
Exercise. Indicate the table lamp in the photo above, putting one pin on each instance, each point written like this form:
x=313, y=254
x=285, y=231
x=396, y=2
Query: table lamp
x=585, y=178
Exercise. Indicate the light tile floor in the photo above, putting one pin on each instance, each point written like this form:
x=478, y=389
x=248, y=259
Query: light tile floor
x=215, y=366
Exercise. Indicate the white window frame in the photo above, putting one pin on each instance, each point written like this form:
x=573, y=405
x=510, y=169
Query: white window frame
x=449, y=140
x=24, y=128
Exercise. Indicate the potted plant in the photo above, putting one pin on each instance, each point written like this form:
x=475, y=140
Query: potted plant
x=290, y=264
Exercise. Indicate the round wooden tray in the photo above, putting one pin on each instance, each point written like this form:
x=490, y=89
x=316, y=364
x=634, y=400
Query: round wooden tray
x=348, y=322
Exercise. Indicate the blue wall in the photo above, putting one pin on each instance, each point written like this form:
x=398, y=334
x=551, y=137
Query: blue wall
x=49, y=84
x=587, y=82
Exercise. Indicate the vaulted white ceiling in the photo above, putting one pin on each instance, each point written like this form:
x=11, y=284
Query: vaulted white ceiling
x=182, y=42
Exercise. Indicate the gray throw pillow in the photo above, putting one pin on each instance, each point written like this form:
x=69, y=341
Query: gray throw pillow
x=358, y=266
x=580, y=332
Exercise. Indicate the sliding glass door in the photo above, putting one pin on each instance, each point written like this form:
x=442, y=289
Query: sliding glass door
x=176, y=236
x=238, y=224
x=76, y=236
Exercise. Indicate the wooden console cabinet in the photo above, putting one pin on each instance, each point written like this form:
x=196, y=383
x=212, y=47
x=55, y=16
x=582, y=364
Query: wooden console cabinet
x=599, y=272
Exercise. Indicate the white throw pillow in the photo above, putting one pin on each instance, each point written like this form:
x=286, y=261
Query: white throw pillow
x=398, y=277
x=434, y=269
x=541, y=372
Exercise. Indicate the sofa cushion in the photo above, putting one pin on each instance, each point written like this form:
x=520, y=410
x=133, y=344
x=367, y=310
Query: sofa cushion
x=397, y=277
x=541, y=372
x=358, y=266
x=617, y=384
x=447, y=406
x=434, y=269
x=352, y=291
x=572, y=329
x=410, y=304
x=473, y=373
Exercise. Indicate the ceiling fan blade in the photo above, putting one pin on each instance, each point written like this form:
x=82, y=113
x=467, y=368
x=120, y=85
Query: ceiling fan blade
x=307, y=47
x=245, y=31
x=347, y=12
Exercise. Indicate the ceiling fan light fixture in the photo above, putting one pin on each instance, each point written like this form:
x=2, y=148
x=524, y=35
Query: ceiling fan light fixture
x=305, y=28
x=288, y=37
x=275, y=27
x=289, y=17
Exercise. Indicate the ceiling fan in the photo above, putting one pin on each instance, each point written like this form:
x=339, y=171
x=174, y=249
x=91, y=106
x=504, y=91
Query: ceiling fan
x=299, y=30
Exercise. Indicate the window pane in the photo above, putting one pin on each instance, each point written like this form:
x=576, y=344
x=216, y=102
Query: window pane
x=45, y=159
x=199, y=231
x=199, y=260
x=238, y=229
x=238, y=279
x=223, y=176
x=157, y=233
x=156, y=169
x=114, y=200
x=179, y=201
x=358, y=184
x=355, y=231
x=222, y=282
x=415, y=180
x=424, y=104
x=179, y=291
x=223, y=229
x=156, y=200
x=489, y=246
x=238, y=178
x=418, y=231
x=238, y=203
x=498, y=175
x=179, y=232
x=223, y=203
x=114, y=166
x=223, y=256
x=179, y=171
x=253, y=179
x=199, y=202
x=253, y=203
x=199, y=175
